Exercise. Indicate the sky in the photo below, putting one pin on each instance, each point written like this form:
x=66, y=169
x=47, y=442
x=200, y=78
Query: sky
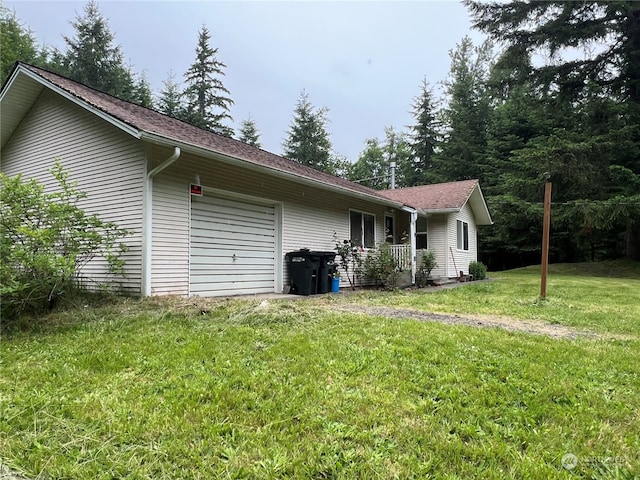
x=362, y=60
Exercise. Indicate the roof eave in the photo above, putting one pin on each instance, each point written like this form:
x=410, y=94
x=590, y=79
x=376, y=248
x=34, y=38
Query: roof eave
x=205, y=152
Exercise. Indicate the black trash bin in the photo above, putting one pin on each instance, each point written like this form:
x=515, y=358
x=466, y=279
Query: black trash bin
x=303, y=271
x=326, y=270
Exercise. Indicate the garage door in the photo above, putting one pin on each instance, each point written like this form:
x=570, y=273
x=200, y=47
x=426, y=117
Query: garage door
x=233, y=245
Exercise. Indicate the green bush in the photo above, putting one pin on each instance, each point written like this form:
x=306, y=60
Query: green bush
x=382, y=267
x=478, y=270
x=427, y=263
x=46, y=239
x=349, y=259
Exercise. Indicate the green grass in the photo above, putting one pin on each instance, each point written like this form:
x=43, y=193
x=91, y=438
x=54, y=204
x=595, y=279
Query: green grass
x=603, y=297
x=291, y=389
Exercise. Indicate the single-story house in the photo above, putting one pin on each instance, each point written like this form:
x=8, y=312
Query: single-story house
x=448, y=216
x=208, y=215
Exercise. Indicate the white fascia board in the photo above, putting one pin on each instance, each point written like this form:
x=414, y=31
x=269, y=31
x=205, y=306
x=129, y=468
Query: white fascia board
x=72, y=98
x=439, y=210
x=204, y=152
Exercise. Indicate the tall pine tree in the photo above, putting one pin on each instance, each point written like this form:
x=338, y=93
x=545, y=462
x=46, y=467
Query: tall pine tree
x=424, y=138
x=92, y=58
x=16, y=43
x=466, y=114
x=208, y=101
x=308, y=141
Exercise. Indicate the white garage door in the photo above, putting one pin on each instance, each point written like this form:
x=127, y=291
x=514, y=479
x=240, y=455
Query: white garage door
x=233, y=245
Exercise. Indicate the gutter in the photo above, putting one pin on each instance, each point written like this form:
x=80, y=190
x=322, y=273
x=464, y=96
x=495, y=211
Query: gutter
x=147, y=239
x=204, y=152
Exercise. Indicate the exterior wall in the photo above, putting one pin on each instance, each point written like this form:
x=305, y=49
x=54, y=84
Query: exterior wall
x=309, y=215
x=462, y=258
x=107, y=164
x=437, y=241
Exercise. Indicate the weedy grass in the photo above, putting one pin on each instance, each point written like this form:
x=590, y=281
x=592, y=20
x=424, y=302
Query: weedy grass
x=170, y=388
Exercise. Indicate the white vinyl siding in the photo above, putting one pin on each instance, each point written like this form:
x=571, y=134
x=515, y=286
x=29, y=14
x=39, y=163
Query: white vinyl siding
x=170, y=237
x=462, y=257
x=107, y=163
x=309, y=216
x=436, y=226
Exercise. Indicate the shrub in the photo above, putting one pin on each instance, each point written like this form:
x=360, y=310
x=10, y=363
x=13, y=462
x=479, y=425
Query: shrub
x=478, y=270
x=349, y=259
x=427, y=263
x=381, y=266
x=46, y=239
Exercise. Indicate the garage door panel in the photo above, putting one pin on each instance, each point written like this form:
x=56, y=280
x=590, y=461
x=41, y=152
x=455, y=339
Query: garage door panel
x=233, y=247
x=233, y=218
x=232, y=231
x=260, y=258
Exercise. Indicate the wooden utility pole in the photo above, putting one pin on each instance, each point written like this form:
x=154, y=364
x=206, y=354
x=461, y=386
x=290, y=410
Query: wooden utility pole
x=546, y=225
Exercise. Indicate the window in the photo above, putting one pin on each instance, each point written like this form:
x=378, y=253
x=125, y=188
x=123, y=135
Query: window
x=463, y=235
x=389, y=229
x=421, y=233
x=362, y=229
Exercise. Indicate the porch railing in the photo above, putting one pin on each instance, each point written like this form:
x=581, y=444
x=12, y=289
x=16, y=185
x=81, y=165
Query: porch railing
x=402, y=254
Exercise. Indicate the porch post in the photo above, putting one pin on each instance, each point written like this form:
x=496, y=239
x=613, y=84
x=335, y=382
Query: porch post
x=413, y=215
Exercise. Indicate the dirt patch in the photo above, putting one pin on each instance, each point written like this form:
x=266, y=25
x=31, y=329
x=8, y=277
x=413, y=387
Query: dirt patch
x=505, y=323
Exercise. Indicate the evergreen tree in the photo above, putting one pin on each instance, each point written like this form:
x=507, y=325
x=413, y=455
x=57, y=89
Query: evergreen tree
x=594, y=155
x=466, y=114
x=91, y=57
x=308, y=141
x=17, y=43
x=142, y=91
x=249, y=133
x=424, y=138
x=208, y=101
x=169, y=101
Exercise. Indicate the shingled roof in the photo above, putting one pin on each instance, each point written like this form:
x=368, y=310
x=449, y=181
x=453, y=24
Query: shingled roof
x=444, y=198
x=143, y=122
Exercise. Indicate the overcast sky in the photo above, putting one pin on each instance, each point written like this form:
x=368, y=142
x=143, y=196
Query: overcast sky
x=362, y=60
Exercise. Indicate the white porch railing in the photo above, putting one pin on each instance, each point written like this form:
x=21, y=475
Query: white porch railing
x=402, y=254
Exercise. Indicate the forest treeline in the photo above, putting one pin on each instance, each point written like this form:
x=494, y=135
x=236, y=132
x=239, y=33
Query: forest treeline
x=555, y=90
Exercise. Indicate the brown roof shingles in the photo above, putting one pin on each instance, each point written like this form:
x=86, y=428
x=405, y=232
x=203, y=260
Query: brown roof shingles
x=439, y=196
x=152, y=122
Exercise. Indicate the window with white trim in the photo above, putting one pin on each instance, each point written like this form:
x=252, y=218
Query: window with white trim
x=421, y=233
x=362, y=229
x=463, y=235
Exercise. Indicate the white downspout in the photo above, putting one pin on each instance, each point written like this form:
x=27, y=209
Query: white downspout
x=148, y=222
x=413, y=215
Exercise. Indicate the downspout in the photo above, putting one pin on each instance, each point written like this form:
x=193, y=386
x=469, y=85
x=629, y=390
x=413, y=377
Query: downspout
x=148, y=221
x=413, y=215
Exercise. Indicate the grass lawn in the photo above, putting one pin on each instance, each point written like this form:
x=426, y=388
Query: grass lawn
x=293, y=389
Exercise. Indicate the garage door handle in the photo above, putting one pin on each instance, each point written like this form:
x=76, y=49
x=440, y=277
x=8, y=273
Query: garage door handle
x=234, y=257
